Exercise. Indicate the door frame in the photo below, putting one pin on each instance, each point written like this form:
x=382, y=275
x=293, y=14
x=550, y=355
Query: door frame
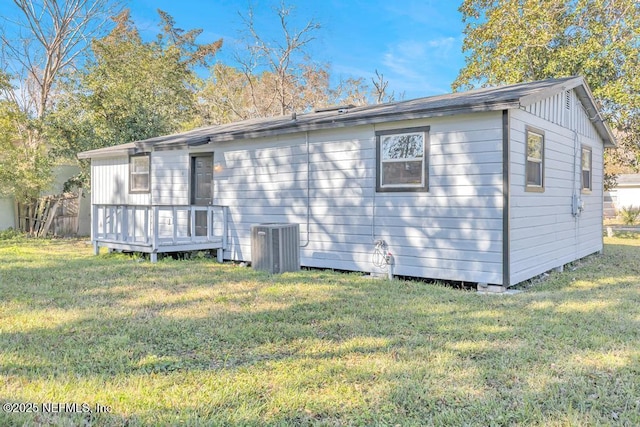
x=192, y=172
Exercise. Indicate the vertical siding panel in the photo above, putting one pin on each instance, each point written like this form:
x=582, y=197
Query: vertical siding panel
x=110, y=184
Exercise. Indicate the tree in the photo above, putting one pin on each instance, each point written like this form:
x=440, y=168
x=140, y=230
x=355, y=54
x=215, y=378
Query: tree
x=282, y=58
x=48, y=37
x=520, y=40
x=44, y=39
x=23, y=166
x=380, y=91
x=275, y=76
x=131, y=89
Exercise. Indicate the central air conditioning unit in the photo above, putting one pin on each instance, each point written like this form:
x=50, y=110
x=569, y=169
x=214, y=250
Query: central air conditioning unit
x=275, y=247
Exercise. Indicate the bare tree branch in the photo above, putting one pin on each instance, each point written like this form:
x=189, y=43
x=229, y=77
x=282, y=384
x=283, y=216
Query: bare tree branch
x=50, y=36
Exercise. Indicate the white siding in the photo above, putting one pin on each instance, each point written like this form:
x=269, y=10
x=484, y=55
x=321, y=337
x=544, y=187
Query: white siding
x=626, y=197
x=544, y=233
x=7, y=214
x=564, y=109
x=110, y=183
x=169, y=180
x=451, y=232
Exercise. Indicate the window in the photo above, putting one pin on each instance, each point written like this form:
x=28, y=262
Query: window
x=402, y=159
x=535, y=160
x=139, y=174
x=587, y=163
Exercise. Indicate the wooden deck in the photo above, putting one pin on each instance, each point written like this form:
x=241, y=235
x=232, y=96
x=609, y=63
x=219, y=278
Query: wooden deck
x=159, y=229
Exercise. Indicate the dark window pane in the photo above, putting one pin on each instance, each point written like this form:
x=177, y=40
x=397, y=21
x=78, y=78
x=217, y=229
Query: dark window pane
x=394, y=173
x=586, y=180
x=201, y=223
x=534, y=173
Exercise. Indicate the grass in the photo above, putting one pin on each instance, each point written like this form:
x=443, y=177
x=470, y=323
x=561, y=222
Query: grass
x=199, y=343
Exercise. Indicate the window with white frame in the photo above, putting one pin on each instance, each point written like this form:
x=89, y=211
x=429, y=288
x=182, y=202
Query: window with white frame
x=139, y=167
x=587, y=167
x=402, y=159
x=535, y=160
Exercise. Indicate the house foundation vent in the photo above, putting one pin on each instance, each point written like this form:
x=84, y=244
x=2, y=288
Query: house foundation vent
x=275, y=247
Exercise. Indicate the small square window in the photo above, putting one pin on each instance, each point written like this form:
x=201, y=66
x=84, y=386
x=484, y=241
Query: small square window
x=139, y=167
x=535, y=160
x=587, y=167
x=402, y=160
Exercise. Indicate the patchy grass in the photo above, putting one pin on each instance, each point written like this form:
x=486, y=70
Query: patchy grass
x=198, y=343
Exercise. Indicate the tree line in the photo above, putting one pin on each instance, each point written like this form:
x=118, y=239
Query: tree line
x=77, y=74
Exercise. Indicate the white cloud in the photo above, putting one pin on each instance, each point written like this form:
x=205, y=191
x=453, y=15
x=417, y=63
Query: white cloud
x=416, y=66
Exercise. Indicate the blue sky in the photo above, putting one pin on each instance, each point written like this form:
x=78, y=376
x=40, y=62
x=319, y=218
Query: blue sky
x=415, y=44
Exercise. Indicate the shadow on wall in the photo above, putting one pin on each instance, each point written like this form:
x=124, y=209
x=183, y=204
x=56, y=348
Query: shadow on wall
x=454, y=226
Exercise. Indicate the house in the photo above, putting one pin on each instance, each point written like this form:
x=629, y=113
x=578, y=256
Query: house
x=492, y=186
x=7, y=215
x=626, y=192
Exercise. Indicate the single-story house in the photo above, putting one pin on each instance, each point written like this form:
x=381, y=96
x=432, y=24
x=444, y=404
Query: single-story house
x=626, y=192
x=492, y=186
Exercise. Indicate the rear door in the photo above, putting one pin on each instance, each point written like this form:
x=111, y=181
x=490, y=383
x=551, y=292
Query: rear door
x=201, y=189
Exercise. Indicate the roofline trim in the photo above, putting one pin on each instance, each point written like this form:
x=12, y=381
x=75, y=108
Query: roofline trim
x=331, y=123
x=569, y=84
x=586, y=98
x=588, y=101
x=98, y=154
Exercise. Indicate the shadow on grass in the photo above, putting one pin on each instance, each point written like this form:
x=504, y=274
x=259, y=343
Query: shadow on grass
x=441, y=355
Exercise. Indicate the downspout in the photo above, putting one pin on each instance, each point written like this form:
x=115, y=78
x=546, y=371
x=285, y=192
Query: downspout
x=576, y=201
x=375, y=188
x=306, y=140
x=506, y=200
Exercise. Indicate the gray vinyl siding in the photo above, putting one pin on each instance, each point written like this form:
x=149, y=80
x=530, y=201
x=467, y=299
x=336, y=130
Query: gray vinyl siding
x=170, y=174
x=453, y=231
x=544, y=233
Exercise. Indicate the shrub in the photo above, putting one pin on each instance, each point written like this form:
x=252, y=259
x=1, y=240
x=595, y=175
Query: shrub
x=629, y=214
x=9, y=234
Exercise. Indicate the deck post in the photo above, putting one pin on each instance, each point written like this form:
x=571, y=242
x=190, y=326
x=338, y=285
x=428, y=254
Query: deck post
x=124, y=228
x=209, y=223
x=192, y=223
x=147, y=215
x=153, y=256
x=104, y=221
x=155, y=228
x=225, y=217
x=94, y=229
x=133, y=219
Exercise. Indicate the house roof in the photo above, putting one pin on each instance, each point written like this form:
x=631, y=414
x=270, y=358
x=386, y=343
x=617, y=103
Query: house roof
x=485, y=99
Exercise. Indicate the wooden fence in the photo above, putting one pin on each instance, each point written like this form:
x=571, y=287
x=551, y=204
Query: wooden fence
x=57, y=215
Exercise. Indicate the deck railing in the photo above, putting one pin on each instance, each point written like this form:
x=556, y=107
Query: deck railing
x=156, y=229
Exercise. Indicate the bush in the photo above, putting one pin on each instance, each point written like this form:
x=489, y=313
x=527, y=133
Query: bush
x=9, y=234
x=629, y=214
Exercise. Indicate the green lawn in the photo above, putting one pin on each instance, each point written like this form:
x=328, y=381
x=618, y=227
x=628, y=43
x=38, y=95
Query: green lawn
x=198, y=343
